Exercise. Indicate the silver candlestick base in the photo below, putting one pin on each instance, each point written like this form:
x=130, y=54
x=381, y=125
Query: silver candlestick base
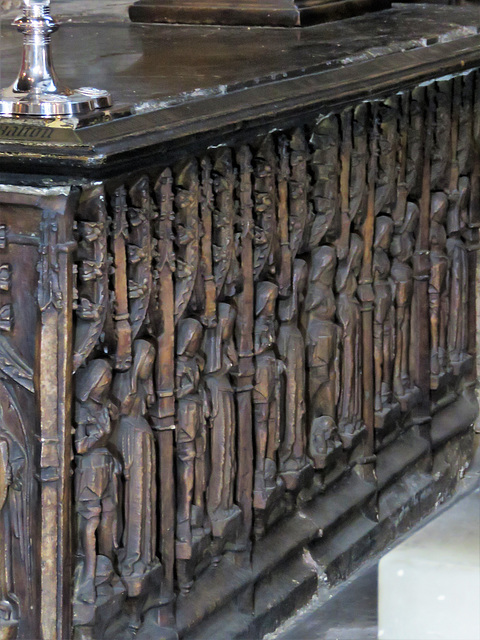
x=37, y=90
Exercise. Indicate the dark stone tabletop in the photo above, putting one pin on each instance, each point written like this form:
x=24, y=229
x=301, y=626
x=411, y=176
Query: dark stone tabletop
x=172, y=78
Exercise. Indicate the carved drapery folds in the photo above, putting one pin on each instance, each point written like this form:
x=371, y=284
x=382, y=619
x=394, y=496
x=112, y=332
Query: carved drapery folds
x=262, y=302
x=249, y=324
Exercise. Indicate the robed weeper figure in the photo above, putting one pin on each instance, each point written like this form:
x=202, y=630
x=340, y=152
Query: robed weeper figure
x=133, y=437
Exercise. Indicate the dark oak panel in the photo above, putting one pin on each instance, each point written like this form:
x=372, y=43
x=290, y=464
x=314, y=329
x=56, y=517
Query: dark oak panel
x=234, y=324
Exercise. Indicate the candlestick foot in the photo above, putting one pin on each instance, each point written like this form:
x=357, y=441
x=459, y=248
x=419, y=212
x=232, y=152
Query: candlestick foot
x=48, y=105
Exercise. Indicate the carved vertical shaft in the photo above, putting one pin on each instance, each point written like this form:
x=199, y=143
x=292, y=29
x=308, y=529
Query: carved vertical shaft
x=245, y=322
x=345, y=165
x=266, y=240
x=225, y=265
x=325, y=169
x=55, y=369
x=474, y=216
x=365, y=290
x=123, y=331
x=164, y=414
x=206, y=212
x=285, y=272
x=402, y=158
x=475, y=133
x=421, y=264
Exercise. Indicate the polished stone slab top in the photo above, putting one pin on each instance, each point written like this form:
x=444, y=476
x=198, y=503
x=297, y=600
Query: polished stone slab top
x=144, y=63
x=180, y=80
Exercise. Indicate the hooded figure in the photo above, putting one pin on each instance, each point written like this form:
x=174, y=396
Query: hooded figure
x=458, y=255
x=265, y=396
x=96, y=494
x=291, y=347
x=348, y=310
x=322, y=335
x=383, y=320
x=221, y=358
x=190, y=435
x=438, y=285
x=402, y=274
x=133, y=437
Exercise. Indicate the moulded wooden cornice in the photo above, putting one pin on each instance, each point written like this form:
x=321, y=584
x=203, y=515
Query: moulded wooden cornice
x=271, y=13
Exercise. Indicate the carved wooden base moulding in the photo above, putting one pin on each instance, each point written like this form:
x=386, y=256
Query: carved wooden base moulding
x=272, y=13
x=216, y=356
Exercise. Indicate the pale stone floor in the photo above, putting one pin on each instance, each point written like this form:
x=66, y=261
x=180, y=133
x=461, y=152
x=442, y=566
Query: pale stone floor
x=349, y=611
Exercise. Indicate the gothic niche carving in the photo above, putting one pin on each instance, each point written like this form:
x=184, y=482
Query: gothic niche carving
x=139, y=253
x=224, y=248
x=187, y=236
x=298, y=189
x=325, y=167
x=92, y=293
x=266, y=247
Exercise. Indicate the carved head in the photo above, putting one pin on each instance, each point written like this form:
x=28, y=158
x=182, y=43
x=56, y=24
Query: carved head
x=218, y=343
x=143, y=359
x=352, y=265
x=324, y=261
x=457, y=214
x=126, y=383
x=383, y=232
x=356, y=253
x=267, y=293
x=189, y=337
x=226, y=320
x=93, y=381
x=300, y=276
x=289, y=308
x=402, y=247
x=438, y=207
x=411, y=218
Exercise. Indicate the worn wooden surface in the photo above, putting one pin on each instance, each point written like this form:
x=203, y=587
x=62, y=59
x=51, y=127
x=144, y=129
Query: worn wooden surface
x=232, y=332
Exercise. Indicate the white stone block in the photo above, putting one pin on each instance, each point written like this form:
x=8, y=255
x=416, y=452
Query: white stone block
x=429, y=586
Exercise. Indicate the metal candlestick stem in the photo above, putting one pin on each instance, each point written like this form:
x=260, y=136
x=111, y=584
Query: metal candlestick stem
x=37, y=90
